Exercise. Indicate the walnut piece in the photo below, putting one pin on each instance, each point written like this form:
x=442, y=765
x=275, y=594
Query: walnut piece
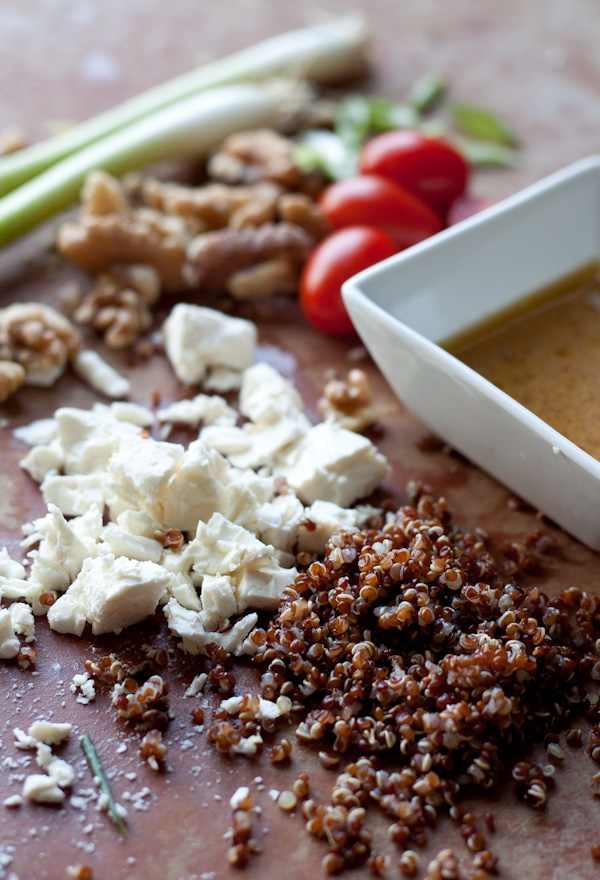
x=348, y=402
x=119, y=306
x=215, y=205
x=265, y=279
x=213, y=258
x=301, y=210
x=12, y=376
x=252, y=156
x=108, y=231
x=39, y=339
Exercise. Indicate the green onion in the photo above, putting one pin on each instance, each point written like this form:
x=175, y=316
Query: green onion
x=484, y=154
x=189, y=128
x=428, y=90
x=102, y=781
x=481, y=123
x=325, y=53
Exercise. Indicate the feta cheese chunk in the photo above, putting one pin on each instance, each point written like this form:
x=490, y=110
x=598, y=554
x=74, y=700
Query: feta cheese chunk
x=266, y=396
x=49, y=732
x=99, y=375
x=9, y=643
x=111, y=594
x=333, y=464
x=60, y=555
x=205, y=408
x=191, y=628
x=37, y=433
x=74, y=494
x=326, y=518
x=42, y=789
x=198, y=338
x=22, y=620
x=226, y=549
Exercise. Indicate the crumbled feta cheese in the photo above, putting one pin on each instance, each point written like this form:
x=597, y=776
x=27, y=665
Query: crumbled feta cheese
x=333, y=464
x=37, y=433
x=326, y=518
x=22, y=620
x=224, y=548
x=221, y=380
x=9, y=643
x=10, y=568
x=279, y=521
x=132, y=413
x=50, y=732
x=198, y=338
x=42, y=789
x=85, y=684
x=267, y=709
x=13, y=801
x=266, y=397
x=196, y=685
x=121, y=543
x=208, y=409
x=190, y=627
x=74, y=494
x=60, y=555
x=43, y=460
x=247, y=746
x=99, y=375
x=111, y=593
x=41, y=731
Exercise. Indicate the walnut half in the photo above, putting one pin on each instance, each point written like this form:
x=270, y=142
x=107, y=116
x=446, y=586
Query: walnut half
x=215, y=257
x=12, y=376
x=39, y=339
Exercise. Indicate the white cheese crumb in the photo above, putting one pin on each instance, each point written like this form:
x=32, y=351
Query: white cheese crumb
x=83, y=682
x=13, y=801
x=238, y=797
x=42, y=789
x=198, y=338
x=103, y=378
x=208, y=409
x=196, y=685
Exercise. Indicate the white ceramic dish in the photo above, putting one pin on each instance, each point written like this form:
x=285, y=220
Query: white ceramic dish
x=406, y=305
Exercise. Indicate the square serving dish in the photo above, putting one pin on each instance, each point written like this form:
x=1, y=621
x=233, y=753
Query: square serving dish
x=404, y=307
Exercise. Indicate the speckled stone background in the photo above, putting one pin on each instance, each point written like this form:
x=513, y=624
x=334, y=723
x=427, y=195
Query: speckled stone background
x=536, y=63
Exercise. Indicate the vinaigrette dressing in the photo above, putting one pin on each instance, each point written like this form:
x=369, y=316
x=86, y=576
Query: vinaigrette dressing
x=545, y=352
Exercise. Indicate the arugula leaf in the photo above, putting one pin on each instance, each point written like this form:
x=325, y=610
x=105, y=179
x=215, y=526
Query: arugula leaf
x=481, y=123
x=428, y=90
x=102, y=781
x=486, y=153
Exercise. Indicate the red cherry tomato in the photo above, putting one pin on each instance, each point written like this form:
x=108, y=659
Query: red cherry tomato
x=429, y=168
x=340, y=255
x=375, y=201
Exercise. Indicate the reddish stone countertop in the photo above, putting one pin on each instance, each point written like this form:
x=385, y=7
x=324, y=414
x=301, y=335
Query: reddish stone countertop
x=537, y=65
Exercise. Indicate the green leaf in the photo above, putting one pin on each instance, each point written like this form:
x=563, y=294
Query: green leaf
x=352, y=119
x=393, y=116
x=428, y=90
x=325, y=151
x=486, y=153
x=481, y=123
x=102, y=781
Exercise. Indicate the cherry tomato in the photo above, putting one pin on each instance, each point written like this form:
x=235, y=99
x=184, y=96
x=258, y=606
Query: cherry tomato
x=375, y=201
x=429, y=168
x=340, y=255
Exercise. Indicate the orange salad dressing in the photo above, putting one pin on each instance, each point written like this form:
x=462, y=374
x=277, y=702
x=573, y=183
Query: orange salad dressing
x=545, y=352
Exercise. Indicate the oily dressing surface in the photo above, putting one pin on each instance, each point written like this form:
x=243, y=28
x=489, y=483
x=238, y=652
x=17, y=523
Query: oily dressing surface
x=546, y=354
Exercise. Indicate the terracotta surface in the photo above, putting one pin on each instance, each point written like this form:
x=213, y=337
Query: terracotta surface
x=535, y=63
